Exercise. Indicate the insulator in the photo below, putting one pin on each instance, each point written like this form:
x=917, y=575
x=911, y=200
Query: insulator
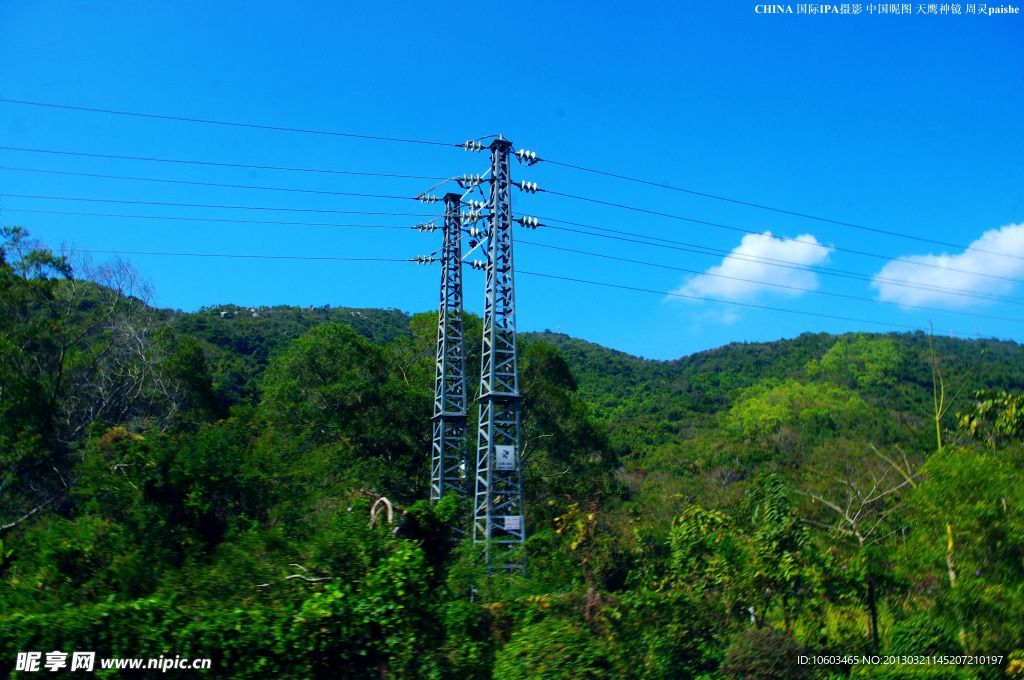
x=467, y=181
x=477, y=264
x=471, y=216
x=527, y=156
x=475, y=232
x=424, y=259
x=479, y=205
x=426, y=226
x=528, y=187
x=473, y=145
x=428, y=198
x=528, y=222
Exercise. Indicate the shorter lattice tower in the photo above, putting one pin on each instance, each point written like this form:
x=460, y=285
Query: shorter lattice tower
x=448, y=455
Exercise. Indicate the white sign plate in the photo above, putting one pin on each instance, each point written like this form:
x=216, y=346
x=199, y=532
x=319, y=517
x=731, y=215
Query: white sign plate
x=505, y=458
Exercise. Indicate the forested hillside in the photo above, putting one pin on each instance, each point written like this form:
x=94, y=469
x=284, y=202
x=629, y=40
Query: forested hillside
x=200, y=484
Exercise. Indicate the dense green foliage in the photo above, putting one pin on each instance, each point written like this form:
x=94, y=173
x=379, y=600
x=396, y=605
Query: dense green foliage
x=201, y=484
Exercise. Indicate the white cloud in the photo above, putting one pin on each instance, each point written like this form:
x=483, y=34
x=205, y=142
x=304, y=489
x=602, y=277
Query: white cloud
x=958, y=273
x=743, y=273
x=719, y=314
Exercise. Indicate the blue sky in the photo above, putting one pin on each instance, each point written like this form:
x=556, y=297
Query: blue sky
x=905, y=123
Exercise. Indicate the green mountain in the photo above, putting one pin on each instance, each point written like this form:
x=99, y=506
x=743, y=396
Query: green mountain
x=198, y=485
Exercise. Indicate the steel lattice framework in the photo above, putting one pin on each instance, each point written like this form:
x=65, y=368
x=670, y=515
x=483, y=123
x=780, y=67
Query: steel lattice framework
x=448, y=459
x=498, y=520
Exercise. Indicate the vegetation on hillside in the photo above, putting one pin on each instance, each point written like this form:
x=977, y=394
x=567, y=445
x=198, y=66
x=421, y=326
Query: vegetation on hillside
x=200, y=485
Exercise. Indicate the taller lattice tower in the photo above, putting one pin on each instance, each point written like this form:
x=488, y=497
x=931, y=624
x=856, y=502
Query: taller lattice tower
x=498, y=521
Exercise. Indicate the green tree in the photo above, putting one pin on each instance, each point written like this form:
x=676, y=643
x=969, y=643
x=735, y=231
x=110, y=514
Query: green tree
x=996, y=417
x=550, y=648
x=764, y=654
x=855, y=494
x=778, y=567
x=965, y=545
x=860, y=362
x=791, y=414
x=334, y=387
x=75, y=354
x=565, y=453
x=707, y=556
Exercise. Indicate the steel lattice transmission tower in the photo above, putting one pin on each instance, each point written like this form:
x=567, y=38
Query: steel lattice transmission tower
x=498, y=520
x=448, y=459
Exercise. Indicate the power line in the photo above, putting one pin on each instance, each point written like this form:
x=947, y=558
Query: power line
x=611, y=234
x=637, y=180
x=219, y=185
x=706, y=250
x=93, y=251
x=216, y=164
x=765, y=283
x=793, y=240
x=208, y=121
x=368, y=226
x=761, y=206
x=703, y=250
x=522, y=241
x=699, y=298
x=214, y=205
x=208, y=219
x=531, y=243
x=393, y=197
x=527, y=273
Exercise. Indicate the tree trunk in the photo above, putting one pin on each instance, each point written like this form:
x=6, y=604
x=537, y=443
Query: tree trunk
x=951, y=572
x=870, y=599
x=872, y=610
